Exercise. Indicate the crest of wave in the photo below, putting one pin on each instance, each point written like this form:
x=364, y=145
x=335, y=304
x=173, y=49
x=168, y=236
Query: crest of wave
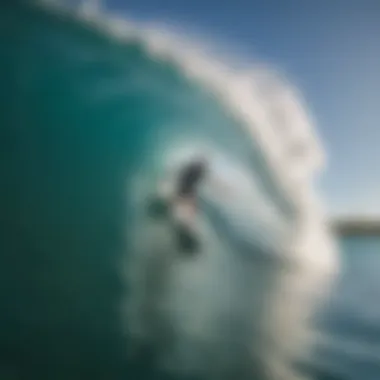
x=236, y=310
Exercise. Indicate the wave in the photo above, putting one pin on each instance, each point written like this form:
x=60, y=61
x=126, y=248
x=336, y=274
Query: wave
x=244, y=306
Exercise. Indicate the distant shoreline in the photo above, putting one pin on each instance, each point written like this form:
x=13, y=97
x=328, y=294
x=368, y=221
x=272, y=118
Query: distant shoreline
x=348, y=227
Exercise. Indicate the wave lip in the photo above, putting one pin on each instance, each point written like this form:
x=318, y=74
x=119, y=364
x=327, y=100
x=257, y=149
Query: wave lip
x=268, y=108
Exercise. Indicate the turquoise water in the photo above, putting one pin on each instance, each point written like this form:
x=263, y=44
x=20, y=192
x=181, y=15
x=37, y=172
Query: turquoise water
x=80, y=115
x=352, y=318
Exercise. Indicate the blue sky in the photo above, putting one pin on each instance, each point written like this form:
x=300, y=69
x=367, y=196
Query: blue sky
x=330, y=49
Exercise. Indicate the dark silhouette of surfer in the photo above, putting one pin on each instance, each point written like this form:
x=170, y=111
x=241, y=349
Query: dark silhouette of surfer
x=190, y=177
x=182, y=206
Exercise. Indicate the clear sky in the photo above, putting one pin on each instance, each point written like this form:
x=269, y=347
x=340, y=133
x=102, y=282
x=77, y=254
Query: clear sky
x=330, y=49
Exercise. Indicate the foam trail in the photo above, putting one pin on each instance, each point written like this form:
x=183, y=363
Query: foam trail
x=243, y=306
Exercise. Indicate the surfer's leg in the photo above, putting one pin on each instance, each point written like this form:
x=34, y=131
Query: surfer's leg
x=184, y=218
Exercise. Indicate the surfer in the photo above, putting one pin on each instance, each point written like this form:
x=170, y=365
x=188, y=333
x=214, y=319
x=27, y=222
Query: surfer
x=181, y=205
x=177, y=200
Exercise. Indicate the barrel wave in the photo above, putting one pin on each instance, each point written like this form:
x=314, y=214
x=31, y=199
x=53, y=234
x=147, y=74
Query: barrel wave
x=95, y=111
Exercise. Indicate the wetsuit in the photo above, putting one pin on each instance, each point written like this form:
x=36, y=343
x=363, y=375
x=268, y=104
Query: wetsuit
x=190, y=177
x=186, y=187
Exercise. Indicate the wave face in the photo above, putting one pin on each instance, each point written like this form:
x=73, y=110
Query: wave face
x=95, y=111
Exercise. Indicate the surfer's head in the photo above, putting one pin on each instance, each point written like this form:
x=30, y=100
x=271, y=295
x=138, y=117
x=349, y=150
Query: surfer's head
x=201, y=159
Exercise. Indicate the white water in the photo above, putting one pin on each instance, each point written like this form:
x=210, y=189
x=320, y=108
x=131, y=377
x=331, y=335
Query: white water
x=235, y=306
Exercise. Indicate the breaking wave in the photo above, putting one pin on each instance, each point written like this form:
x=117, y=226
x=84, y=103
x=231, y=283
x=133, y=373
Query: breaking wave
x=243, y=307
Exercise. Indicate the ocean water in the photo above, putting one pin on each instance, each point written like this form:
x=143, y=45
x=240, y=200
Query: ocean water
x=351, y=319
x=92, y=115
